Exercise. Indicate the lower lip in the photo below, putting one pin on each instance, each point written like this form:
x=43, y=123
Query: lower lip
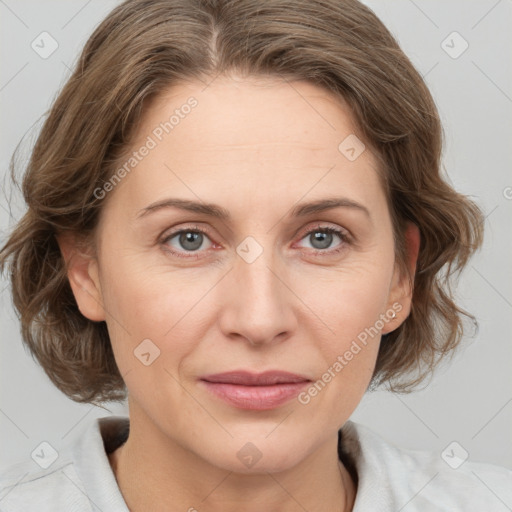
x=256, y=397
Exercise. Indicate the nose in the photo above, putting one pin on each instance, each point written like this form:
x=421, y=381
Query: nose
x=257, y=303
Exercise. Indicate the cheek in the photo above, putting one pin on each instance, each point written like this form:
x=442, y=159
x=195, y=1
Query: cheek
x=348, y=352
x=347, y=299
x=154, y=327
x=143, y=289
x=348, y=304
x=145, y=302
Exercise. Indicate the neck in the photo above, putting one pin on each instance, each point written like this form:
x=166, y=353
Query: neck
x=180, y=480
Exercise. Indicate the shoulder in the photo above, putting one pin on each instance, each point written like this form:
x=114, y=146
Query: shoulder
x=22, y=487
x=421, y=480
x=79, y=478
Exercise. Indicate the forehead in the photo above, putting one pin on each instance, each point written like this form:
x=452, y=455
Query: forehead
x=251, y=114
x=252, y=138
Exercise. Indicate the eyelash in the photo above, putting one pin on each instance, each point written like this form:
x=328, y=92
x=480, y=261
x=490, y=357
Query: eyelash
x=192, y=254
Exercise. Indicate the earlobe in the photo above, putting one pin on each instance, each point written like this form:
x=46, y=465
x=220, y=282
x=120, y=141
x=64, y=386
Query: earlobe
x=401, y=292
x=82, y=272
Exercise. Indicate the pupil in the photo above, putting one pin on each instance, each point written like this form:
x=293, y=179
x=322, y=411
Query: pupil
x=325, y=240
x=194, y=239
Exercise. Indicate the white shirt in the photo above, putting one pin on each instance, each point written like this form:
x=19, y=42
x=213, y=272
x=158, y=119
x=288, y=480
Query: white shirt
x=389, y=478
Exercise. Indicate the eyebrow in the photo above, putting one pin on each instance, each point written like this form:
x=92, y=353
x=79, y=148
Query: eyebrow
x=216, y=211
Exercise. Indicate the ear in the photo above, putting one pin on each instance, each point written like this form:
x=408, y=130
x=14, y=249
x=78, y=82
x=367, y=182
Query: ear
x=401, y=292
x=82, y=272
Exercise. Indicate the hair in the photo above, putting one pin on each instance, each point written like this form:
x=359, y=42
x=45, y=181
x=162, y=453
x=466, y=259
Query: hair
x=144, y=47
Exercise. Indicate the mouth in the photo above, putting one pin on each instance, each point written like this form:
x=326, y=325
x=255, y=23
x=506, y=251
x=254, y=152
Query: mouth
x=255, y=391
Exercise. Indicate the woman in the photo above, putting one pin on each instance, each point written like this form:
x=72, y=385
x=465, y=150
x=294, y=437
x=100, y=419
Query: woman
x=236, y=220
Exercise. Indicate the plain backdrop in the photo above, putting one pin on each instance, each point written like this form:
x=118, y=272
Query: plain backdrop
x=470, y=399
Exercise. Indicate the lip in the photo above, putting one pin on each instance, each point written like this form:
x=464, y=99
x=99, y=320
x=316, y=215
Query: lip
x=246, y=378
x=255, y=391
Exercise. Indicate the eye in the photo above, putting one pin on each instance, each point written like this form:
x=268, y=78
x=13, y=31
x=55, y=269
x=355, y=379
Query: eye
x=321, y=239
x=184, y=241
x=188, y=242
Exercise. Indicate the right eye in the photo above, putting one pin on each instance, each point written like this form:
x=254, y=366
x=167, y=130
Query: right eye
x=185, y=241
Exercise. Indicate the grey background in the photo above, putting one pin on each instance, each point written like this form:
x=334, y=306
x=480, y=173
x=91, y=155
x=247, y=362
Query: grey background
x=470, y=399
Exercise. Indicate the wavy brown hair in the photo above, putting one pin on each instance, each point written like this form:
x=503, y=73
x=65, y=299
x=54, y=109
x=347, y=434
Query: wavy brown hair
x=144, y=47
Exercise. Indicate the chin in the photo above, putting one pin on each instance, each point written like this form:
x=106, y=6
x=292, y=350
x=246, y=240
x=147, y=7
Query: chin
x=256, y=454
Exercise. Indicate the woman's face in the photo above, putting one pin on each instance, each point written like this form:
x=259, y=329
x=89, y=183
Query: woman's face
x=262, y=288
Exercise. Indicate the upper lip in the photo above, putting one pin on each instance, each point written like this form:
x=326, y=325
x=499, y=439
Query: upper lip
x=245, y=378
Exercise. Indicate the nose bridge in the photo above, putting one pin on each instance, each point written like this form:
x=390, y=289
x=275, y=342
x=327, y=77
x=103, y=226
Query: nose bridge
x=258, y=306
x=255, y=270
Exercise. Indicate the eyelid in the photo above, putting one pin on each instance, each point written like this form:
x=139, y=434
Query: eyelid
x=319, y=226
x=191, y=227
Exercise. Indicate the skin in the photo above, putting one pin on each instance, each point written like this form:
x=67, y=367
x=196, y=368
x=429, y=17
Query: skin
x=256, y=147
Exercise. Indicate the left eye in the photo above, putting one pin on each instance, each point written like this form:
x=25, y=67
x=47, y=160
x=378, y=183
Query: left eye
x=322, y=238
